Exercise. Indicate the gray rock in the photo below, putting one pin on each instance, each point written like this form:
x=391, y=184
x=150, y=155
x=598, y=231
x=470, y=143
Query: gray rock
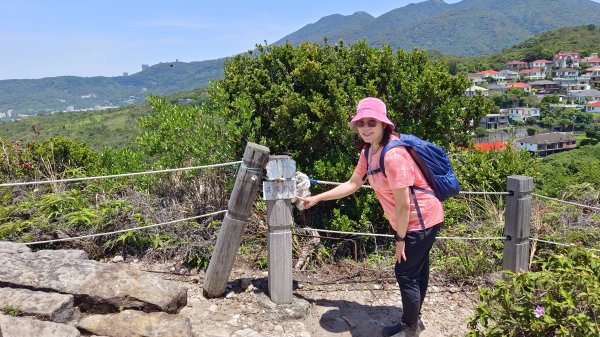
x=118, y=259
x=7, y=247
x=24, y=326
x=48, y=306
x=99, y=287
x=131, y=323
x=298, y=309
x=71, y=254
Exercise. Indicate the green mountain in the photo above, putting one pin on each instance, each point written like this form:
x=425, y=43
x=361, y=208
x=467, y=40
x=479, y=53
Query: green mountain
x=52, y=94
x=581, y=39
x=469, y=27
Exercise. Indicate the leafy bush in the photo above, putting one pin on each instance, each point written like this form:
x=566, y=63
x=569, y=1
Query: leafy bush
x=560, y=170
x=562, y=299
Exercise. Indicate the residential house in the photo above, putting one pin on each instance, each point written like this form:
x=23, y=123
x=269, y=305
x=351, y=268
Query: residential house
x=545, y=144
x=593, y=58
x=498, y=87
x=594, y=73
x=493, y=121
x=532, y=74
x=568, y=79
x=475, y=79
x=474, y=90
x=586, y=96
x=490, y=73
x=520, y=85
x=542, y=64
x=521, y=114
x=509, y=74
x=545, y=86
x=516, y=65
x=594, y=62
x=593, y=107
x=567, y=73
x=564, y=60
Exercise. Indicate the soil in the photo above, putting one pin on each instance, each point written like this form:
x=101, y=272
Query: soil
x=339, y=300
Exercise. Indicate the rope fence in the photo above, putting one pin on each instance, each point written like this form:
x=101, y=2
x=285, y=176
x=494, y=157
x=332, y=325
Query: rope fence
x=391, y=236
x=118, y=175
x=566, y=202
x=126, y=230
x=312, y=181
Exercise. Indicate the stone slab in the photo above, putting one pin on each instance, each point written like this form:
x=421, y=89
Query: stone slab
x=96, y=286
x=24, y=326
x=47, y=306
x=131, y=323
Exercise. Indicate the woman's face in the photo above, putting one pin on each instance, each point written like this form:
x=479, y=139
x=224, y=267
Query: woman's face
x=370, y=130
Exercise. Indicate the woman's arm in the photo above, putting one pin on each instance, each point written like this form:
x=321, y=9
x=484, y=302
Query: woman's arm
x=340, y=191
x=402, y=213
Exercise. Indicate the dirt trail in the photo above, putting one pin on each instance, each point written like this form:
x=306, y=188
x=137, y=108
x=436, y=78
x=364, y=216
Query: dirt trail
x=356, y=306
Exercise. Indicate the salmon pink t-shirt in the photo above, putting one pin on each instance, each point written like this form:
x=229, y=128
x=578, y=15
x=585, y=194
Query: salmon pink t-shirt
x=401, y=171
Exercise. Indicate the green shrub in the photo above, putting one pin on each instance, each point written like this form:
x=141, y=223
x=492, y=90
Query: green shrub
x=561, y=299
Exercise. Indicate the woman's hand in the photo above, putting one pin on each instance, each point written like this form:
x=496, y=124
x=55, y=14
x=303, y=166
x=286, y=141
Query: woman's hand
x=400, y=251
x=308, y=201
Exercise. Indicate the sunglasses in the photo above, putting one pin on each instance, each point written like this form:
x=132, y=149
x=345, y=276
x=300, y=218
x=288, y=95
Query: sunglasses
x=370, y=123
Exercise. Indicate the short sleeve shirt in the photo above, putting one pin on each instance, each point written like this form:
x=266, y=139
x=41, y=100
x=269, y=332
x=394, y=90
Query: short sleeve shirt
x=401, y=171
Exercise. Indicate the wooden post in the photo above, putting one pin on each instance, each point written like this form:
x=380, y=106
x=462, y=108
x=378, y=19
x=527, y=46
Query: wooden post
x=517, y=223
x=278, y=190
x=240, y=204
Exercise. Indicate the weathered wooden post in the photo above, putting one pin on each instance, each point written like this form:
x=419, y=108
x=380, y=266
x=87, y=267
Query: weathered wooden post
x=240, y=204
x=517, y=223
x=278, y=190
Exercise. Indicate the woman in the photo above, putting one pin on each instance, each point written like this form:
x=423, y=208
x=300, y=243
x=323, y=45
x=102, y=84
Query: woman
x=414, y=238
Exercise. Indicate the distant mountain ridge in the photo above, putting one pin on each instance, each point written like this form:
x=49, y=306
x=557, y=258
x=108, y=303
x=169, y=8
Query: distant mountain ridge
x=469, y=27
x=45, y=95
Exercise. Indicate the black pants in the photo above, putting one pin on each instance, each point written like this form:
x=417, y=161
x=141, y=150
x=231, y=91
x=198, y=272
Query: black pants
x=413, y=274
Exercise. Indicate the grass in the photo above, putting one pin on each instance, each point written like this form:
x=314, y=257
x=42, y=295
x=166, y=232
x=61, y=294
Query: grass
x=113, y=128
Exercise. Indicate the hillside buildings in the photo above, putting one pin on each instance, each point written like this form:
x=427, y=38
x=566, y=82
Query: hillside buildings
x=546, y=144
x=573, y=78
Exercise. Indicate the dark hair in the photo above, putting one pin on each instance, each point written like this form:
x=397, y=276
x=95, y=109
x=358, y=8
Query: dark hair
x=387, y=134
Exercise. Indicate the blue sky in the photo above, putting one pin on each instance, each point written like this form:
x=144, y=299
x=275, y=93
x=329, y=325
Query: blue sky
x=41, y=38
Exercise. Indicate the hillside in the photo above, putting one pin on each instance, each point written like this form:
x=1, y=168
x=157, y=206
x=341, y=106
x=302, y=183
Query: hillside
x=582, y=39
x=469, y=27
x=113, y=128
x=39, y=96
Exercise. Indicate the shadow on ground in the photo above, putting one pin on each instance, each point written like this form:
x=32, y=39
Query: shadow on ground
x=358, y=319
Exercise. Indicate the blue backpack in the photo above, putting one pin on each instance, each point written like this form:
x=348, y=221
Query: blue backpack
x=433, y=162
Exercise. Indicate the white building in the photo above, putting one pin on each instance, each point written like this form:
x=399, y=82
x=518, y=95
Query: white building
x=474, y=90
x=548, y=143
x=521, y=114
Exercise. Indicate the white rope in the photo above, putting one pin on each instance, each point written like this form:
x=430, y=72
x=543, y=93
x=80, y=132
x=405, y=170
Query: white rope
x=118, y=175
x=488, y=193
x=323, y=182
x=566, y=202
x=564, y=244
x=126, y=230
x=391, y=236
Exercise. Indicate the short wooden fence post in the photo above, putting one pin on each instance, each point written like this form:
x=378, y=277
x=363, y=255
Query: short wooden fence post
x=517, y=223
x=240, y=204
x=278, y=190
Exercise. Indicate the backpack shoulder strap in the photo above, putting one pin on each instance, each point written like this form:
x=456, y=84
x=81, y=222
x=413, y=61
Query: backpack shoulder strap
x=391, y=144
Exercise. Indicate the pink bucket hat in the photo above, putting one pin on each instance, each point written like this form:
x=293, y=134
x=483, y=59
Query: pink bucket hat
x=370, y=107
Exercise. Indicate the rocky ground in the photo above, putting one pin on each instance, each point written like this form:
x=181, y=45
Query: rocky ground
x=336, y=302
x=64, y=294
